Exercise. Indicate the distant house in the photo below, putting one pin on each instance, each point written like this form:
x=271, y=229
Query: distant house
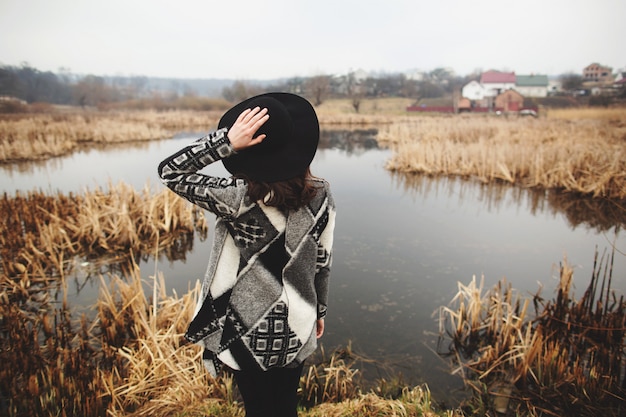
x=554, y=86
x=620, y=78
x=495, y=82
x=597, y=73
x=509, y=101
x=532, y=85
x=473, y=91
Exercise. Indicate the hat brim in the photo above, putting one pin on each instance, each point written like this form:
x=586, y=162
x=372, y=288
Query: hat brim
x=276, y=163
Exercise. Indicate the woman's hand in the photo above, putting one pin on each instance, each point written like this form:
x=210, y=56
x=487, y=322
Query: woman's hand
x=320, y=328
x=241, y=134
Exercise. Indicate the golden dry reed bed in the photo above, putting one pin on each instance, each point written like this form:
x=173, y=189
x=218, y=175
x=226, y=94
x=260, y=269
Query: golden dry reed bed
x=42, y=236
x=131, y=360
x=128, y=357
x=567, y=359
x=580, y=150
x=42, y=136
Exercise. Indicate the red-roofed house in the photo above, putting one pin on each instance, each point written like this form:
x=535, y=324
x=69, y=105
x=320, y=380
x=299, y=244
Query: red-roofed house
x=497, y=82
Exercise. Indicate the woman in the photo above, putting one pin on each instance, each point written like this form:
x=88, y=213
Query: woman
x=265, y=292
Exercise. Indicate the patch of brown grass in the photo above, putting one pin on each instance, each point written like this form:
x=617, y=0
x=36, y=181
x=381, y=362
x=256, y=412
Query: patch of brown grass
x=578, y=155
x=42, y=235
x=40, y=136
x=566, y=360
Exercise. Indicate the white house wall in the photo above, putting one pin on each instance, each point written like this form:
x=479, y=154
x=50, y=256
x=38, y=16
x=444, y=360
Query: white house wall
x=473, y=91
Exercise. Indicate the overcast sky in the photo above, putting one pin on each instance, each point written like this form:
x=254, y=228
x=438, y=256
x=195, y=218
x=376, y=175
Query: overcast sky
x=243, y=39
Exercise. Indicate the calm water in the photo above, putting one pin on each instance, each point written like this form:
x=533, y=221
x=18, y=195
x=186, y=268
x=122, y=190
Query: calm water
x=402, y=243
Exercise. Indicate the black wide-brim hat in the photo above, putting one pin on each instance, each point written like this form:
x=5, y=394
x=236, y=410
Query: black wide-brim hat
x=293, y=134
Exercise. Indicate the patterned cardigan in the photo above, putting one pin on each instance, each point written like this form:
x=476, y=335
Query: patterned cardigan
x=267, y=277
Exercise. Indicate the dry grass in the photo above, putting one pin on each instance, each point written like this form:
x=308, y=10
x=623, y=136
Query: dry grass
x=579, y=151
x=41, y=136
x=128, y=357
x=382, y=107
x=30, y=137
x=162, y=374
x=566, y=360
x=43, y=236
x=132, y=360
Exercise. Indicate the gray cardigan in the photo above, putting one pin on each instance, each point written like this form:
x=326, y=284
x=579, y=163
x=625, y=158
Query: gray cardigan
x=267, y=278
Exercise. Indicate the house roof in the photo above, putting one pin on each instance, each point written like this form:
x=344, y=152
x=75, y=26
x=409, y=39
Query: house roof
x=532, y=81
x=595, y=65
x=497, y=77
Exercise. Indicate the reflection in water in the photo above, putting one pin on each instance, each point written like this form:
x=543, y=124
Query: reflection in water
x=84, y=271
x=353, y=141
x=56, y=163
x=403, y=243
x=180, y=244
x=596, y=213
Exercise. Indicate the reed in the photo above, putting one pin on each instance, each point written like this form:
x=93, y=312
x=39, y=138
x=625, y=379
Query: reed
x=583, y=154
x=43, y=237
x=567, y=359
x=378, y=107
x=414, y=402
x=41, y=136
x=132, y=360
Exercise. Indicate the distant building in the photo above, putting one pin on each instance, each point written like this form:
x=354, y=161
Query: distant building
x=473, y=91
x=532, y=85
x=554, y=86
x=509, y=101
x=597, y=73
x=620, y=78
x=495, y=82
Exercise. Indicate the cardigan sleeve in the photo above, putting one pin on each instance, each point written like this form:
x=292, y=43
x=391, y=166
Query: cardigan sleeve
x=324, y=258
x=180, y=173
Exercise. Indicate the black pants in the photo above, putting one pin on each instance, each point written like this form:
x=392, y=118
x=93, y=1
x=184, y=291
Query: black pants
x=271, y=393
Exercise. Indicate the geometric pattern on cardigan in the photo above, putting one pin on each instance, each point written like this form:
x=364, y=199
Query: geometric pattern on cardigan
x=207, y=320
x=246, y=319
x=272, y=342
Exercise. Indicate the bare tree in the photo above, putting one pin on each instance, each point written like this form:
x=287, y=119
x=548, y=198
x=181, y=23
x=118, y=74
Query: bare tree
x=355, y=92
x=318, y=87
x=571, y=82
x=239, y=91
x=92, y=91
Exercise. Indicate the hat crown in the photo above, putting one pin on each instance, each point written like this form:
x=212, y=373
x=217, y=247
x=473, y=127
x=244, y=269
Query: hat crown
x=291, y=143
x=278, y=128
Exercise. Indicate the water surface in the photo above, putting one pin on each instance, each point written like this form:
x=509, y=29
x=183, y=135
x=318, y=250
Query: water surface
x=402, y=242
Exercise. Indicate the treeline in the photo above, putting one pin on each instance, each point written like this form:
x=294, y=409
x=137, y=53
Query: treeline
x=24, y=85
x=25, y=88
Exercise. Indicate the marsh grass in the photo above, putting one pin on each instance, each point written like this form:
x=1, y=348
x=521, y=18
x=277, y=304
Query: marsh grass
x=41, y=136
x=132, y=360
x=565, y=359
x=127, y=356
x=42, y=236
x=581, y=152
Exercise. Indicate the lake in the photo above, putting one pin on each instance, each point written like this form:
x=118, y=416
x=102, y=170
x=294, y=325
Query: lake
x=402, y=243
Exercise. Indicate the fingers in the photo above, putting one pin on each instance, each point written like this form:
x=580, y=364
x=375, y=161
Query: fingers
x=242, y=132
x=253, y=116
x=258, y=118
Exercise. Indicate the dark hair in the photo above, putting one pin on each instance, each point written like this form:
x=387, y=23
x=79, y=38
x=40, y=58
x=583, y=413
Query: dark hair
x=286, y=195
